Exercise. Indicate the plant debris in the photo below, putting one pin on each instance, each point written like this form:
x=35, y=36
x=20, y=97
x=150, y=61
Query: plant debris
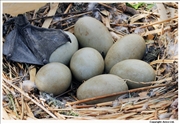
x=156, y=102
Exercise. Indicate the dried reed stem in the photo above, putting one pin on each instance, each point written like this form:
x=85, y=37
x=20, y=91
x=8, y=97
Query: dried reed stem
x=23, y=93
x=115, y=94
x=159, y=22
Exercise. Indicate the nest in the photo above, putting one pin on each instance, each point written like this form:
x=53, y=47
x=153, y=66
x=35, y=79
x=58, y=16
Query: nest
x=158, y=101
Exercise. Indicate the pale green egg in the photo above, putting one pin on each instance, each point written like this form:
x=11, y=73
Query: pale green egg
x=53, y=78
x=131, y=46
x=100, y=85
x=86, y=63
x=135, y=70
x=64, y=53
x=90, y=32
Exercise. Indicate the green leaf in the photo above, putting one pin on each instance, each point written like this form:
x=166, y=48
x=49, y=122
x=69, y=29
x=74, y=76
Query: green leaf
x=135, y=6
x=149, y=6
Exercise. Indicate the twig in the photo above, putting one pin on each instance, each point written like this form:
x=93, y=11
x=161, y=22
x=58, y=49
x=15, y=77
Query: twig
x=58, y=15
x=93, y=109
x=109, y=7
x=123, y=25
x=84, y=106
x=76, y=16
x=117, y=32
x=151, y=82
x=73, y=97
x=156, y=115
x=22, y=107
x=104, y=104
x=52, y=11
x=68, y=8
x=163, y=61
x=115, y=94
x=23, y=93
x=126, y=116
x=88, y=12
x=68, y=28
x=159, y=22
x=64, y=93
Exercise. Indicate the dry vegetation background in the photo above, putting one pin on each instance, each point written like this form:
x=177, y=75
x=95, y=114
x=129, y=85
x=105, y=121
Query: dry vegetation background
x=157, y=23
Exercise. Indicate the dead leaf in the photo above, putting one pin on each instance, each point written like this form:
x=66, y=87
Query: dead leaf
x=114, y=36
x=143, y=94
x=150, y=37
x=162, y=11
x=32, y=73
x=105, y=13
x=157, y=31
x=137, y=17
x=29, y=111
